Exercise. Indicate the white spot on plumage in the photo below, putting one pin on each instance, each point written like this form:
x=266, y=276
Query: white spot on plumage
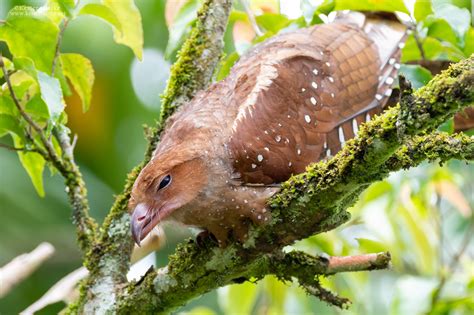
x=280, y=125
x=298, y=151
x=355, y=127
x=260, y=158
x=289, y=164
x=367, y=117
x=266, y=132
x=328, y=64
x=266, y=149
x=378, y=97
x=288, y=116
x=307, y=118
x=397, y=66
x=331, y=79
x=389, y=81
x=314, y=85
x=328, y=152
x=315, y=71
x=313, y=100
x=303, y=89
x=391, y=61
x=254, y=165
x=342, y=139
x=401, y=45
x=388, y=92
x=332, y=95
x=325, y=145
x=277, y=138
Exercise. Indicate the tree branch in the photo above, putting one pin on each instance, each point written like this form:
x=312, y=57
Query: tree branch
x=317, y=199
x=109, y=260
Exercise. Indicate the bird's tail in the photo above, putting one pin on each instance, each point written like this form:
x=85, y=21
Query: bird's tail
x=389, y=35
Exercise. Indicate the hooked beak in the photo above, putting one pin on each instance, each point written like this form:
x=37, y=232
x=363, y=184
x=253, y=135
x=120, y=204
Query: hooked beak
x=141, y=222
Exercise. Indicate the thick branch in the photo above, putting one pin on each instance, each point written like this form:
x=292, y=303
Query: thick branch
x=317, y=200
x=109, y=261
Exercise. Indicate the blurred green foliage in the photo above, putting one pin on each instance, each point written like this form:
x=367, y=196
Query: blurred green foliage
x=422, y=216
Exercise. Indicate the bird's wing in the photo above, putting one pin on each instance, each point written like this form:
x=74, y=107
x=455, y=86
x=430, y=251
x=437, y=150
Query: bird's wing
x=308, y=91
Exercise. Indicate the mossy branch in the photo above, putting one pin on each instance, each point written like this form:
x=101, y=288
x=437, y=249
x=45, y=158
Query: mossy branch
x=318, y=199
x=109, y=260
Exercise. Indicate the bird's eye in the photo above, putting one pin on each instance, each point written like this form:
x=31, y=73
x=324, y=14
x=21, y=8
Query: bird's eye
x=165, y=182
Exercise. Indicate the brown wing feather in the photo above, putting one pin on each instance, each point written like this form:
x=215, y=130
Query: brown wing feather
x=305, y=85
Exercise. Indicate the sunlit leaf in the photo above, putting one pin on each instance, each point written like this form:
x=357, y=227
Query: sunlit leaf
x=458, y=18
x=272, y=22
x=440, y=29
x=34, y=165
x=371, y=246
x=8, y=66
x=22, y=83
x=78, y=69
x=376, y=190
x=469, y=42
x=39, y=45
x=417, y=75
x=57, y=10
x=371, y=5
x=247, y=293
x=104, y=12
x=51, y=94
x=200, y=310
x=422, y=9
x=226, y=65
x=125, y=20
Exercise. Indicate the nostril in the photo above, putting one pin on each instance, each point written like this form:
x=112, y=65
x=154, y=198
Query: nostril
x=141, y=218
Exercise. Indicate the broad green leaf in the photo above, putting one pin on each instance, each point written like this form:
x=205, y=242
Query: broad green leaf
x=22, y=83
x=8, y=66
x=441, y=30
x=30, y=35
x=34, y=165
x=458, y=18
x=37, y=108
x=104, y=12
x=247, y=293
x=182, y=25
x=226, y=65
x=131, y=34
x=51, y=94
x=26, y=64
x=272, y=22
x=371, y=5
x=7, y=106
x=9, y=124
x=200, y=310
x=410, y=51
x=125, y=20
x=57, y=10
x=78, y=69
x=417, y=75
x=469, y=42
x=371, y=246
x=422, y=9
x=376, y=190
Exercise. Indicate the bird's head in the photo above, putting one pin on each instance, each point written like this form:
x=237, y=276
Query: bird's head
x=166, y=183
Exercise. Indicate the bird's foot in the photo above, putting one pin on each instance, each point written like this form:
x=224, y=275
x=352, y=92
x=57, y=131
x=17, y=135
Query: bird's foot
x=203, y=238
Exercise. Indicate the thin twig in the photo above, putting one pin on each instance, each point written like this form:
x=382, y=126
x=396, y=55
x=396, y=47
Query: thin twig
x=452, y=265
x=12, y=148
x=419, y=44
x=251, y=17
x=58, y=45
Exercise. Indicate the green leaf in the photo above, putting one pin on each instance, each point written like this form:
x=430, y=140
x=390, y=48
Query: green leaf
x=37, y=108
x=441, y=30
x=417, y=75
x=30, y=35
x=247, y=293
x=181, y=26
x=25, y=64
x=78, y=69
x=7, y=106
x=272, y=22
x=458, y=18
x=8, y=66
x=226, y=65
x=376, y=190
x=57, y=10
x=371, y=5
x=371, y=246
x=469, y=42
x=200, y=310
x=422, y=9
x=51, y=94
x=22, y=83
x=34, y=165
x=125, y=20
x=131, y=34
x=104, y=12
x=9, y=124
x=410, y=51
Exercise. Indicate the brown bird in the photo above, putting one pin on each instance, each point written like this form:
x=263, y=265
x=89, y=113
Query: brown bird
x=292, y=100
